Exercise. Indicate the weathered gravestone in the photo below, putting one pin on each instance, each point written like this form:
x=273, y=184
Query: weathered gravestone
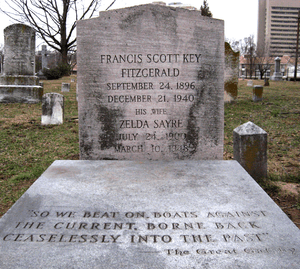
x=257, y=93
x=148, y=214
x=18, y=83
x=250, y=83
x=65, y=87
x=232, y=60
x=52, y=108
x=250, y=149
x=154, y=88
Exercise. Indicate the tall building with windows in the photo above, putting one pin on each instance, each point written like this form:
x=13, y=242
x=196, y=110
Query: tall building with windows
x=277, y=27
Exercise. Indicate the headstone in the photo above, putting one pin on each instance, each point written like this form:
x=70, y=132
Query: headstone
x=142, y=214
x=52, y=108
x=65, y=87
x=152, y=90
x=44, y=57
x=267, y=83
x=257, y=93
x=250, y=83
x=18, y=83
x=250, y=149
x=232, y=60
x=277, y=73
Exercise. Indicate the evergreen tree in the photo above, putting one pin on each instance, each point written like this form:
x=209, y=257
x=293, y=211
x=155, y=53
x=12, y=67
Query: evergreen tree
x=205, y=9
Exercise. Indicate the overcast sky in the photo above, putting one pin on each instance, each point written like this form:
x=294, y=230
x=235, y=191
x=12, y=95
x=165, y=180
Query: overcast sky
x=240, y=16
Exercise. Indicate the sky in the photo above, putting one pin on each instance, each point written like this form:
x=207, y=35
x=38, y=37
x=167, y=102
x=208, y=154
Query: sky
x=240, y=16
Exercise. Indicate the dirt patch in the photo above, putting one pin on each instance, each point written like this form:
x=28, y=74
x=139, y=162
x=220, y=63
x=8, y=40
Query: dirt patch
x=288, y=188
x=288, y=199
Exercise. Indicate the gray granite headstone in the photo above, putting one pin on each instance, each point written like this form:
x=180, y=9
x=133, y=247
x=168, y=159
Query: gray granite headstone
x=135, y=214
x=151, y=84
x=52, y=108
x=18, y=84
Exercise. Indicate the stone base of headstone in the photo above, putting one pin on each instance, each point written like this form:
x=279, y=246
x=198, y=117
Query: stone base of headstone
x=257, y=93
x=126, y=214
x=52, y=109
x=276, y=77
x=250, y=149
x=20, y=89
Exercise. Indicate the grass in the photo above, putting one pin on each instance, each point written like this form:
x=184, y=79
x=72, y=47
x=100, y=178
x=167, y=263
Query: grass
x=28, y=148
x=278, y=114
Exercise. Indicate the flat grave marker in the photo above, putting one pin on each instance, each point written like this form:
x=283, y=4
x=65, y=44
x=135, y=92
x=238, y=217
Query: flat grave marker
x=134, y=214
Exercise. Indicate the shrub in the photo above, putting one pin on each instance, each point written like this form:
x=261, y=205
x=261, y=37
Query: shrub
x=57, y=71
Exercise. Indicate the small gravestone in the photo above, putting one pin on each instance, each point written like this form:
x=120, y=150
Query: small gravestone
x=250, y=149
x=257, y=95
x=18, y=84
x=232, y=60
x=152, y=90
x=267, y=83
x=65, y=87
x=52, y=108
x=250, y=83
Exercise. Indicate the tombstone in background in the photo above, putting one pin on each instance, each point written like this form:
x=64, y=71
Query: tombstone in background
x=267, y=83
x=44, y=57
x=52, y=108
x=277, y=73
x=257, y=93
x=231, y=74
x=161, y=89
x=18, y=84
x=250, y=149
x=250, y=83
x=65, y=87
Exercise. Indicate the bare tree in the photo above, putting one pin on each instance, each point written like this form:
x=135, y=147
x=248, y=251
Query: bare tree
x=248, y=49
x=263, y=64
x=50, y=18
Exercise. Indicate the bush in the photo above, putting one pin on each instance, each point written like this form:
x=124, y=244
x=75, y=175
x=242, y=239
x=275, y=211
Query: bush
x=57, y=72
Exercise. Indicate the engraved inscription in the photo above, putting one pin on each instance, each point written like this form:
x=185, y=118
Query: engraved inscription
x=199, y=233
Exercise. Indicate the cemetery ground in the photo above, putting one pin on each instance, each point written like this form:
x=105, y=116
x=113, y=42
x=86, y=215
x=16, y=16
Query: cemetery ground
x=28, y=148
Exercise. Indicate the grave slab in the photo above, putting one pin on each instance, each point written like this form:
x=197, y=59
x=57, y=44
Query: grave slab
x=141, y=214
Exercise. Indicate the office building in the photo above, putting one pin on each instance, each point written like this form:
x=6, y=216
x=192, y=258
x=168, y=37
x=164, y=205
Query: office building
x=277, y=27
